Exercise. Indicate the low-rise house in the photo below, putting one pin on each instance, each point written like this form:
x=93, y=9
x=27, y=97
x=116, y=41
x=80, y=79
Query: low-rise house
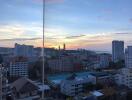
x=24, y=88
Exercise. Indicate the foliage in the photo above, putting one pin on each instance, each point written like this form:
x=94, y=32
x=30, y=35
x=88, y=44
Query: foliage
x=1, y=59
x=88, y=87
x=117, y=65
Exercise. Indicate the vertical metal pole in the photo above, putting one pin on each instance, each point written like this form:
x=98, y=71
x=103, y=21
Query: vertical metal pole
x=0, y=83
x=43, y=48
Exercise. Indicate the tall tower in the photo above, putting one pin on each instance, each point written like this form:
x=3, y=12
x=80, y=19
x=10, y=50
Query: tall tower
x=117, y=50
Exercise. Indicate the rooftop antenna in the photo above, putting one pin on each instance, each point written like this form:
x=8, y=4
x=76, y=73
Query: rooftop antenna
x=64, y=46
x=59, y=48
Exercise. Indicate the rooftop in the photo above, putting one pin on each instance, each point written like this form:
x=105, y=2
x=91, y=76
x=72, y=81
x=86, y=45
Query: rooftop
x=41, y=86
x=100, y=74
x=97, y=93
x=24, y=84
x=57, y=78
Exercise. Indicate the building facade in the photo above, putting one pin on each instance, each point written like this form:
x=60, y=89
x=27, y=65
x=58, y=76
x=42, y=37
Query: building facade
x=66, y=63
x=19, y=67
x=24, y=89
x=128, y=57
x=4, y=87
x=117, y=50
x=104, y=60
x=124, y=77
x=23, y=50
x=75, y=85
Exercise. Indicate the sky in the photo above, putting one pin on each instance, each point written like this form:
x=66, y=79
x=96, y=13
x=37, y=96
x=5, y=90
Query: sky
x=88, y=24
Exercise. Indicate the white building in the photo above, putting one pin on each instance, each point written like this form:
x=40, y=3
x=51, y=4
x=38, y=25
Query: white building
x=117, y=50
x=19, y=67
x=128, y=57
x=23, y=50
x=124, y=77
x=104, y=60
x=74, y=86
x=125, y=74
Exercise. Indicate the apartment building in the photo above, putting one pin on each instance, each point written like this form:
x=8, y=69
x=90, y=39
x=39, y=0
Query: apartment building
x=117, y=50
x=73, y=85
x=19, y=67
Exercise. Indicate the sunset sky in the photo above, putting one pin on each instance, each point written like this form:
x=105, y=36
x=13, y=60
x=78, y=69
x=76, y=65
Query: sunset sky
x=89, y=24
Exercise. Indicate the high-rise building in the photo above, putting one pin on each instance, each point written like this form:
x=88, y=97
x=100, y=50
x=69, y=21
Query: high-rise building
x=128, y=57
x=117, y=50
x=24, y=50
x=19, y=67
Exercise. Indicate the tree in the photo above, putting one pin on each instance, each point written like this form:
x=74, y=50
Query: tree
x=36, y=70
x=1, y=59
x=117, y=65
x=88, y=87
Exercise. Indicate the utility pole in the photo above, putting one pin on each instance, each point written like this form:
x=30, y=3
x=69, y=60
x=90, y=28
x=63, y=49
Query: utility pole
x=43, y=48
x=0, y=82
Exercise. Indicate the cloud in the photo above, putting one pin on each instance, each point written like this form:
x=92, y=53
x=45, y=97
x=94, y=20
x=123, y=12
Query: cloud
x=15, y=30
x=130, y=20
x=24, y=33
x=123, y=33
x=65, y=38
x=50, y=38
x=124, y=29
x=75, y=37
x=92, y=42
x=19, y=39
x=55, y=33
x=86, y=41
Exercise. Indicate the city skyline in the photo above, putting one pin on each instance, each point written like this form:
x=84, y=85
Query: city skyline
x=93, y=24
